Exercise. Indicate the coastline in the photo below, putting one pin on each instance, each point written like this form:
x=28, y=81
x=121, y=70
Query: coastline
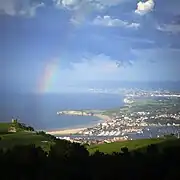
x=104, y=118
x=74, y=130
x=65, y=131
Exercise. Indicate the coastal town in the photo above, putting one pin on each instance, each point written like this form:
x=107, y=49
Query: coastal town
x=154, y=113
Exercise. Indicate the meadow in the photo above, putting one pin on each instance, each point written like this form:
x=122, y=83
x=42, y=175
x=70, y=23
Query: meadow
x=132, y=145
x=11, y=139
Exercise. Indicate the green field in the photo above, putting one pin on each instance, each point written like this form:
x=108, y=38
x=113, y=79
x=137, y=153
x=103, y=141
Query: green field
x=9, y=139
x=22, y=138
x=133, y=145
x=4, y=127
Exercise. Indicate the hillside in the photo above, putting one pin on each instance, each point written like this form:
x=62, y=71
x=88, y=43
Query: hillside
x=39, y=155
x=4, y=127
x=140, y=144
x=13, y=134
x=9, y=139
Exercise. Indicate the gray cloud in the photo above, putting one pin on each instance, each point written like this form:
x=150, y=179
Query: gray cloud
x=171, y=28
x=113, y=22
x=81, y=8
x=20, y=7
x=96, y=4
x=151, y=65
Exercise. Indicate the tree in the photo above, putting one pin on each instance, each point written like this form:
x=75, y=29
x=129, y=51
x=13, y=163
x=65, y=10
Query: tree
x=125, y=150
x=152, y=149
x=29, y=128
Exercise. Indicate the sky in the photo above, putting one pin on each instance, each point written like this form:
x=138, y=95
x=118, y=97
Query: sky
x=46, y=45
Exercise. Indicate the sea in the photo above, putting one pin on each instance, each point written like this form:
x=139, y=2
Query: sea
x=39, y=110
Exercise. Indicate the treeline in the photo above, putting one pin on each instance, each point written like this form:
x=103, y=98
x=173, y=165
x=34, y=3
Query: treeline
x=48, y=136
x=20, y=126
x=24, y=127
x=66, y=161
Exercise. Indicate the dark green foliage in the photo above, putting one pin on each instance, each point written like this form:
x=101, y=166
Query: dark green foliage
x=125, y=150
x=170, y=136
x=48, y=136
x=5, y=127
x=67, y=161
x=25, y=156
x=41, y=133
x=22, y=127
x=64, y=148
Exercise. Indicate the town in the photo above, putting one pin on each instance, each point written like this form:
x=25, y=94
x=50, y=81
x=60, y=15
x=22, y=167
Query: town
x=144, y=115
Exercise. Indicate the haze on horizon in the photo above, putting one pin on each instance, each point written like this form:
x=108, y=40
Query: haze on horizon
x=57, y=43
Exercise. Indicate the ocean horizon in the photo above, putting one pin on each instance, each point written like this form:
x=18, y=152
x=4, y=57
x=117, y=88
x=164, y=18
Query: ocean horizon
x=39, y=110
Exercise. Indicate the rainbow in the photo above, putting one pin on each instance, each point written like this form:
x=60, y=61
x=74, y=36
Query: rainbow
x=49, y=75
x=50, y=72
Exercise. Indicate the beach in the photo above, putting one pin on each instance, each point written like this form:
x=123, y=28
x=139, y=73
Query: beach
x=103, y=117
x=65, y=131
x=69, y=131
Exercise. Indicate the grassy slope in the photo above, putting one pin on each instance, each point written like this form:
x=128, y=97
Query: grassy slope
x=8, y=140
x=133, y=145
x=4, y=127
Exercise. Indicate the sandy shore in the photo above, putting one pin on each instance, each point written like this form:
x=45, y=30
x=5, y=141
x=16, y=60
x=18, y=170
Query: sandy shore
x=103, y=117
x=65, y=131
x=69, y=131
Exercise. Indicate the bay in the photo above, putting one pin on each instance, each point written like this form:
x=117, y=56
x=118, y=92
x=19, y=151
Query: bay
x=40, y=110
